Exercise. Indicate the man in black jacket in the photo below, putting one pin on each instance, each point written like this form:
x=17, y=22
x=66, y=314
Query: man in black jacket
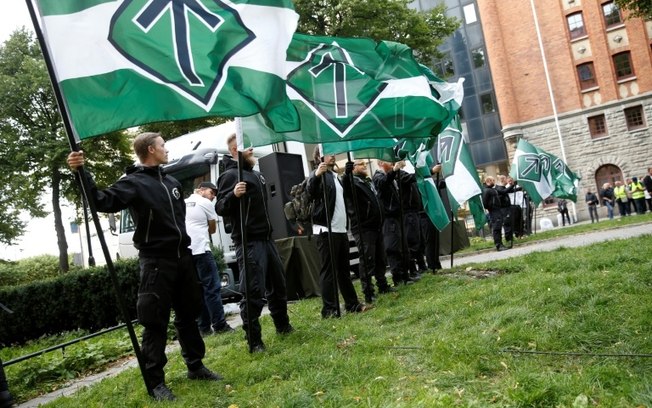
x=492, y=201
x=385, y=181
x=330, y=210
x=168, y=279
x=366, y=219
x=264, y=277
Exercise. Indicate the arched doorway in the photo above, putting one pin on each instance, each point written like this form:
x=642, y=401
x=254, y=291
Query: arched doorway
x=607, y=173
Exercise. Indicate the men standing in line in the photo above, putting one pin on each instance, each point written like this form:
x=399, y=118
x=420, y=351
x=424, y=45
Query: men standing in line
x=200, y=222
x=263, y=277
x=491, y=199
x=412, y=206
x=168, y=279
x=620, y=192
x=366, y=223
x=327, y=191
x=385, y=182
x=592, y=202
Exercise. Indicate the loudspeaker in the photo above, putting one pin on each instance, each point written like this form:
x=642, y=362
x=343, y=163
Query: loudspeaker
x=281, y=172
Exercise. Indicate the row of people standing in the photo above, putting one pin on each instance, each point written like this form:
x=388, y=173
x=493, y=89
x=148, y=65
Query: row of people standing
x=631, y=197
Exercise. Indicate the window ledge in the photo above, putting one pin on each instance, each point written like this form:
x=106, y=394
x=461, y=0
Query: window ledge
x=642, y=129
x=615, y=27
x=628, y=79
x=580, y=38
x=598, y=138
x=593, y=88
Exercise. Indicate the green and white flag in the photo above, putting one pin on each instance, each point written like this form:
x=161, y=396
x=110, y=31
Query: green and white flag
x=122, y=63
x=459, y=171
x=353, y=88
x=542, y=174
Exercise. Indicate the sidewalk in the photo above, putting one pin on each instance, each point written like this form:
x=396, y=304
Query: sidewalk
x=484, y=256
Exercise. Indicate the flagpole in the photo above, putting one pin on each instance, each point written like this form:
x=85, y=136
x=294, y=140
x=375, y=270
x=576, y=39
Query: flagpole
x=85, y=187
x=245, y=257
x=330, y=242
x=404, y=249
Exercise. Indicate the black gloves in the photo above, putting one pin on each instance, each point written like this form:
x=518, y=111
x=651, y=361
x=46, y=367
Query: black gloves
x=348, y=169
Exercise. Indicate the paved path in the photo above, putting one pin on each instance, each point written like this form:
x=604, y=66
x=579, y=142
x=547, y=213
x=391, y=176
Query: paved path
x=484, y=256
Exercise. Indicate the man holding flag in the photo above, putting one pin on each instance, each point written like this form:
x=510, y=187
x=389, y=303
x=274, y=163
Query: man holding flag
x=168, y=279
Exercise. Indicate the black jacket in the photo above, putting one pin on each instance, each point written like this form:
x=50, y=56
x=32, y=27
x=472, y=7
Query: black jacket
x=591, y=199
x=369, y=216
x=387, y=193
x=315, y=189
x=490, y=198
x=410, y=194
x=503, y=195
x=156, y=203
x=257, y=222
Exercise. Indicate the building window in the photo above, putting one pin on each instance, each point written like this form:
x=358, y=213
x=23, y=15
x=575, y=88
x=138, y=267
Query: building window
x=487, y=102
x=586, y=75
x=634, y=117
x=478, y=57
x=623, y=65
x=597, y=126
x=443, y=68
x=576, y=25
x=611, y=14
x=469, y=14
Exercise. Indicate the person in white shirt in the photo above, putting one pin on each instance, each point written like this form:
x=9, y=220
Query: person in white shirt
x=200, y=222
x=333, y=249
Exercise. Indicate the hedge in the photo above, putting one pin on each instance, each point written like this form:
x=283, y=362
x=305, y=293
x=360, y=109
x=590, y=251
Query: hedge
x=77, y=300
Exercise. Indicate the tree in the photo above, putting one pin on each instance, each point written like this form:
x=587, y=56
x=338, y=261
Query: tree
x=33, y=145
x=390, y=20
x=637, y=8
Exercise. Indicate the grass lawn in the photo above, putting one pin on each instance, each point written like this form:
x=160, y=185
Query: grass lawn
x=452, y=339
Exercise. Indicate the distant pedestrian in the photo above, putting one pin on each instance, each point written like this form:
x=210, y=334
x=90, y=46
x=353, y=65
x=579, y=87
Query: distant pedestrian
x=622, y=199
x=647, y=182
x=608, y=198
x=592, y=202
x=638, y=195
x=562, y=207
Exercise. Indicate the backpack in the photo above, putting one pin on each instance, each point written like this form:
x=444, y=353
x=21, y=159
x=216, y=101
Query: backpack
x=299, y=209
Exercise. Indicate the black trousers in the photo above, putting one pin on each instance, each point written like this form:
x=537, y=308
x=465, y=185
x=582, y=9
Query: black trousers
x=263, y=281
x=414, y=240
x=3, y=379
x=593, y=212
x=338, y=259
x=393, y=250
x=165, y=284
x=372, y=261
x=430, y=237
x=500, y=218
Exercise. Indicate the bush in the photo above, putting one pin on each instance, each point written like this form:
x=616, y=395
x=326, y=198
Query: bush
x=30, y=270
x=76, y=300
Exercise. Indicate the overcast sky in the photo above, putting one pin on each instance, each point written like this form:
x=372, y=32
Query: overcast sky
x=14, y=15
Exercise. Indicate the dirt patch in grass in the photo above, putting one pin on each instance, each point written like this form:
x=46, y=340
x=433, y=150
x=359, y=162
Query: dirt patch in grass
x=477, y=273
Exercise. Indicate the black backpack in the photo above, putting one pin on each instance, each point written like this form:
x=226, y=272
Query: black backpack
x=299, y=209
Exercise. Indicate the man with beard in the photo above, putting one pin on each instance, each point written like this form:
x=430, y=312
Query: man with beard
x=329, y=210
x=168, y=279
x=263, y=278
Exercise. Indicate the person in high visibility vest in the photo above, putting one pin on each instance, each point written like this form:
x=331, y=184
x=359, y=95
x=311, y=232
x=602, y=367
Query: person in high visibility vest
x=638, y=195
x=620, y=192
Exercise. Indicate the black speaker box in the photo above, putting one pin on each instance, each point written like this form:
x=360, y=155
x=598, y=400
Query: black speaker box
x=281, y=172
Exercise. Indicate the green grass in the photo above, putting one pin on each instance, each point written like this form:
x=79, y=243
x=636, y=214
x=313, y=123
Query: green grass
x=449, y=340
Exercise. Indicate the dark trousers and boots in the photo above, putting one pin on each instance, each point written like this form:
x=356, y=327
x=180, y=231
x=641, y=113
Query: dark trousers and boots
x=372, y=263
x=6, y=400
x=265, y=284
x=393, y=250
x=339, y=258
x=169, y=283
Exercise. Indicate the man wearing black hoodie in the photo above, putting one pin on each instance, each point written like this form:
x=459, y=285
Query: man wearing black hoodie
x=168, y=279
x=265, y=278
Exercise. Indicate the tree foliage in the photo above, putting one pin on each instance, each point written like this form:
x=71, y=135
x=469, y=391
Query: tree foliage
x=637, y=8
x=170, y=130
x=34, y=146
x=390, y=20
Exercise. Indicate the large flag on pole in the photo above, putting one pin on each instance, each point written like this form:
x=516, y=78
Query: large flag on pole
x=543, y=174
x=123, y=63
x=354, y=88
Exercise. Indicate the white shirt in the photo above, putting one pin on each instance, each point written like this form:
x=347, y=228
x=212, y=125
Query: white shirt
x=338, y=222
x=199, y=211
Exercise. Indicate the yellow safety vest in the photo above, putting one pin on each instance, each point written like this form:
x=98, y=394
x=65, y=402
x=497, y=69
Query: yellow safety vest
x=620, y=192
x=637, y=190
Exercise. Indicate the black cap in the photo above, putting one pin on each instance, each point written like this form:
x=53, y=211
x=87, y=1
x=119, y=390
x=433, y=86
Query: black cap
x=208, y=184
